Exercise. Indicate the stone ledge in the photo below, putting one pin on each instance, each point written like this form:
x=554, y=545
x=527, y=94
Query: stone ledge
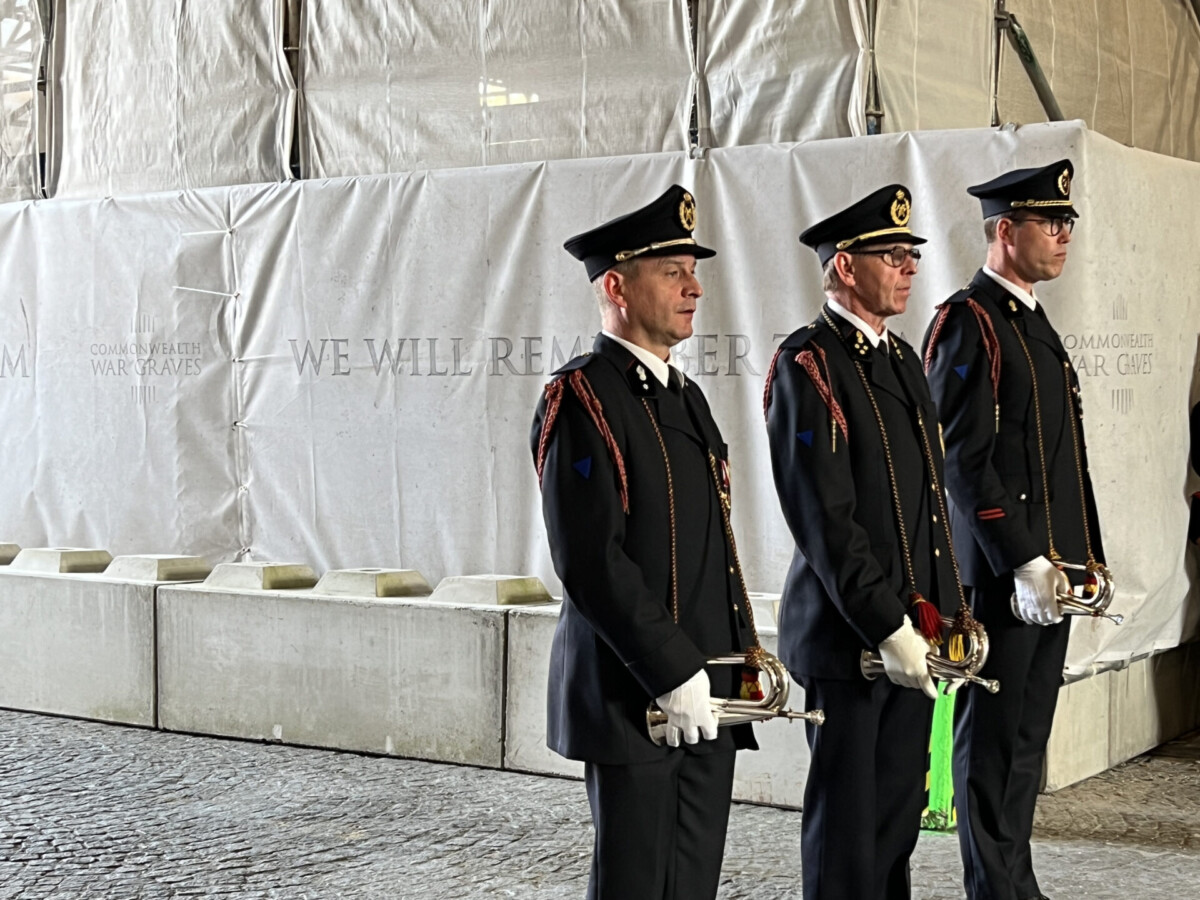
x=60, y=560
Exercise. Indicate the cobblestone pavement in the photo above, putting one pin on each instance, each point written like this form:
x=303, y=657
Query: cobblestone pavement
x=90, y=810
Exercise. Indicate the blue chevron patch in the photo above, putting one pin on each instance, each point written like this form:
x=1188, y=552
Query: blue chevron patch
x=962, y=372
x=583, y=467
x=805, y=436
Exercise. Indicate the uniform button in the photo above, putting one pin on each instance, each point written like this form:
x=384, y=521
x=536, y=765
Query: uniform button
x=731, y=570
x=937, y=552
x=935, y=517
x=1022, y=497
x=735, y=608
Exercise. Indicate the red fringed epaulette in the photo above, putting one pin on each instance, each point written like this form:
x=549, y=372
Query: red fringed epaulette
x=943, y=311
x=554, y=395
x=591, y=403
x=809, y=360
x=991, y=344
x=987, y=331
x=770, y=378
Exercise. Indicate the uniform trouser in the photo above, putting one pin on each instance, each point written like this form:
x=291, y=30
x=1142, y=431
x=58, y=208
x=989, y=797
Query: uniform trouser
x=660, y=826
x=999, y=744
x=865, y=789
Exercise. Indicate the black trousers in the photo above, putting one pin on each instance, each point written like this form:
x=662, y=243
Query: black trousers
x=865, y=789
x=660, y=826
x=999, y=746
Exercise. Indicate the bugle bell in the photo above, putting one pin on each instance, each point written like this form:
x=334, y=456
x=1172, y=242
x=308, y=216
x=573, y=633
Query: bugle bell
x=1094, y=597
x=734, y=711
x=966, y=669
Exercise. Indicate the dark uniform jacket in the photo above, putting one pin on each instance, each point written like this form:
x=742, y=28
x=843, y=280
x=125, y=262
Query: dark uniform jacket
x=982, y=382
x=605, y=498
x=846, y=589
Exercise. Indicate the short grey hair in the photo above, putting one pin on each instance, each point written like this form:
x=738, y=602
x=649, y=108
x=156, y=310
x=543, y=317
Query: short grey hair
x=831, y=281
x=627, y=269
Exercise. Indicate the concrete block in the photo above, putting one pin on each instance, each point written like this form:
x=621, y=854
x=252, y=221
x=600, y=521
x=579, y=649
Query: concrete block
x=373, y=583
x=77, y=645
x=1175, y=675
x=158, y=567
x=257, y=576
x=8, y=552
x=775, y=774
x=1134, y=722
x=60, y=560
x=1079, y=738
x=395, y=676
x=499, y=590
x=530, y=632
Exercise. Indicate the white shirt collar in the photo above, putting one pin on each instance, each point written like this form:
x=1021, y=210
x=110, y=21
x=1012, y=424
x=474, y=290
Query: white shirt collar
x=659, y=368
x=1021, y=294
x=858, y=323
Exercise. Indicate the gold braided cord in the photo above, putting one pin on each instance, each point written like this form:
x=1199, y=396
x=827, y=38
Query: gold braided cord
x=1087, y=534
x=670, y=511
x=1037, y=417
x=963, y=620
x=755, y=653
x=883, y=232
x=887, y=455
x=1029, y=204
x=658, y=245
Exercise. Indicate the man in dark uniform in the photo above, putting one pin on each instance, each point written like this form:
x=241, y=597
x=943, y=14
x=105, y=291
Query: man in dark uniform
x=857, y=464
x=635, y=493
x=1021, y=499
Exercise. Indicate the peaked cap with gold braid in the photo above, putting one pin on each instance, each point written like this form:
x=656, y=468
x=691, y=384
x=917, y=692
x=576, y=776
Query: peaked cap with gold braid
x=662, y=227
x=879, y=218
x=1044, y=191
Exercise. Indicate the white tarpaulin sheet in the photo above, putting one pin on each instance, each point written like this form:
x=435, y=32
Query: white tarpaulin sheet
x=774, y=70
x=1129, y=68
x=114, y=383
x=159, y=94
x=343, y=373
x=20, y=55
x=935, y=61
x=394, y=87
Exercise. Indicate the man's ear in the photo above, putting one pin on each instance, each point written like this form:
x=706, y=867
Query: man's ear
x=614, y=288
x=844, y=264
x=1004, y=230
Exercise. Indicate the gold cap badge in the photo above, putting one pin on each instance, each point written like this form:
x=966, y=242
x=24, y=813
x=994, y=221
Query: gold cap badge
x=687, y=212
x=901, y=208
x=1064, y=183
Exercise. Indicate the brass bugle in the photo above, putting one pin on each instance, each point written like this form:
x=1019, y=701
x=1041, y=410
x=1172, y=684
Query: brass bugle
x=1102, y=590
x=943, y=669
x=733, y=711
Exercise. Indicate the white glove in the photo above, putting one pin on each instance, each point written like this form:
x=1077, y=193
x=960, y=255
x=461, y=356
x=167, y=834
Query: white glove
x=904, y=654
x=689, y=711
x=1038, y=582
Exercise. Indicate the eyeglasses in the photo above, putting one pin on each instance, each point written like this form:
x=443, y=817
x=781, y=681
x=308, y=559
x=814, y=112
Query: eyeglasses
x=1053, y=227
x=893, y=256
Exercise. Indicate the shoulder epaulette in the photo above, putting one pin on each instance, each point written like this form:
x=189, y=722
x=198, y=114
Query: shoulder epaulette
x=572, y=374
x=794, y=341
x=987, y=332
x=574, y=363
x=813, y=361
